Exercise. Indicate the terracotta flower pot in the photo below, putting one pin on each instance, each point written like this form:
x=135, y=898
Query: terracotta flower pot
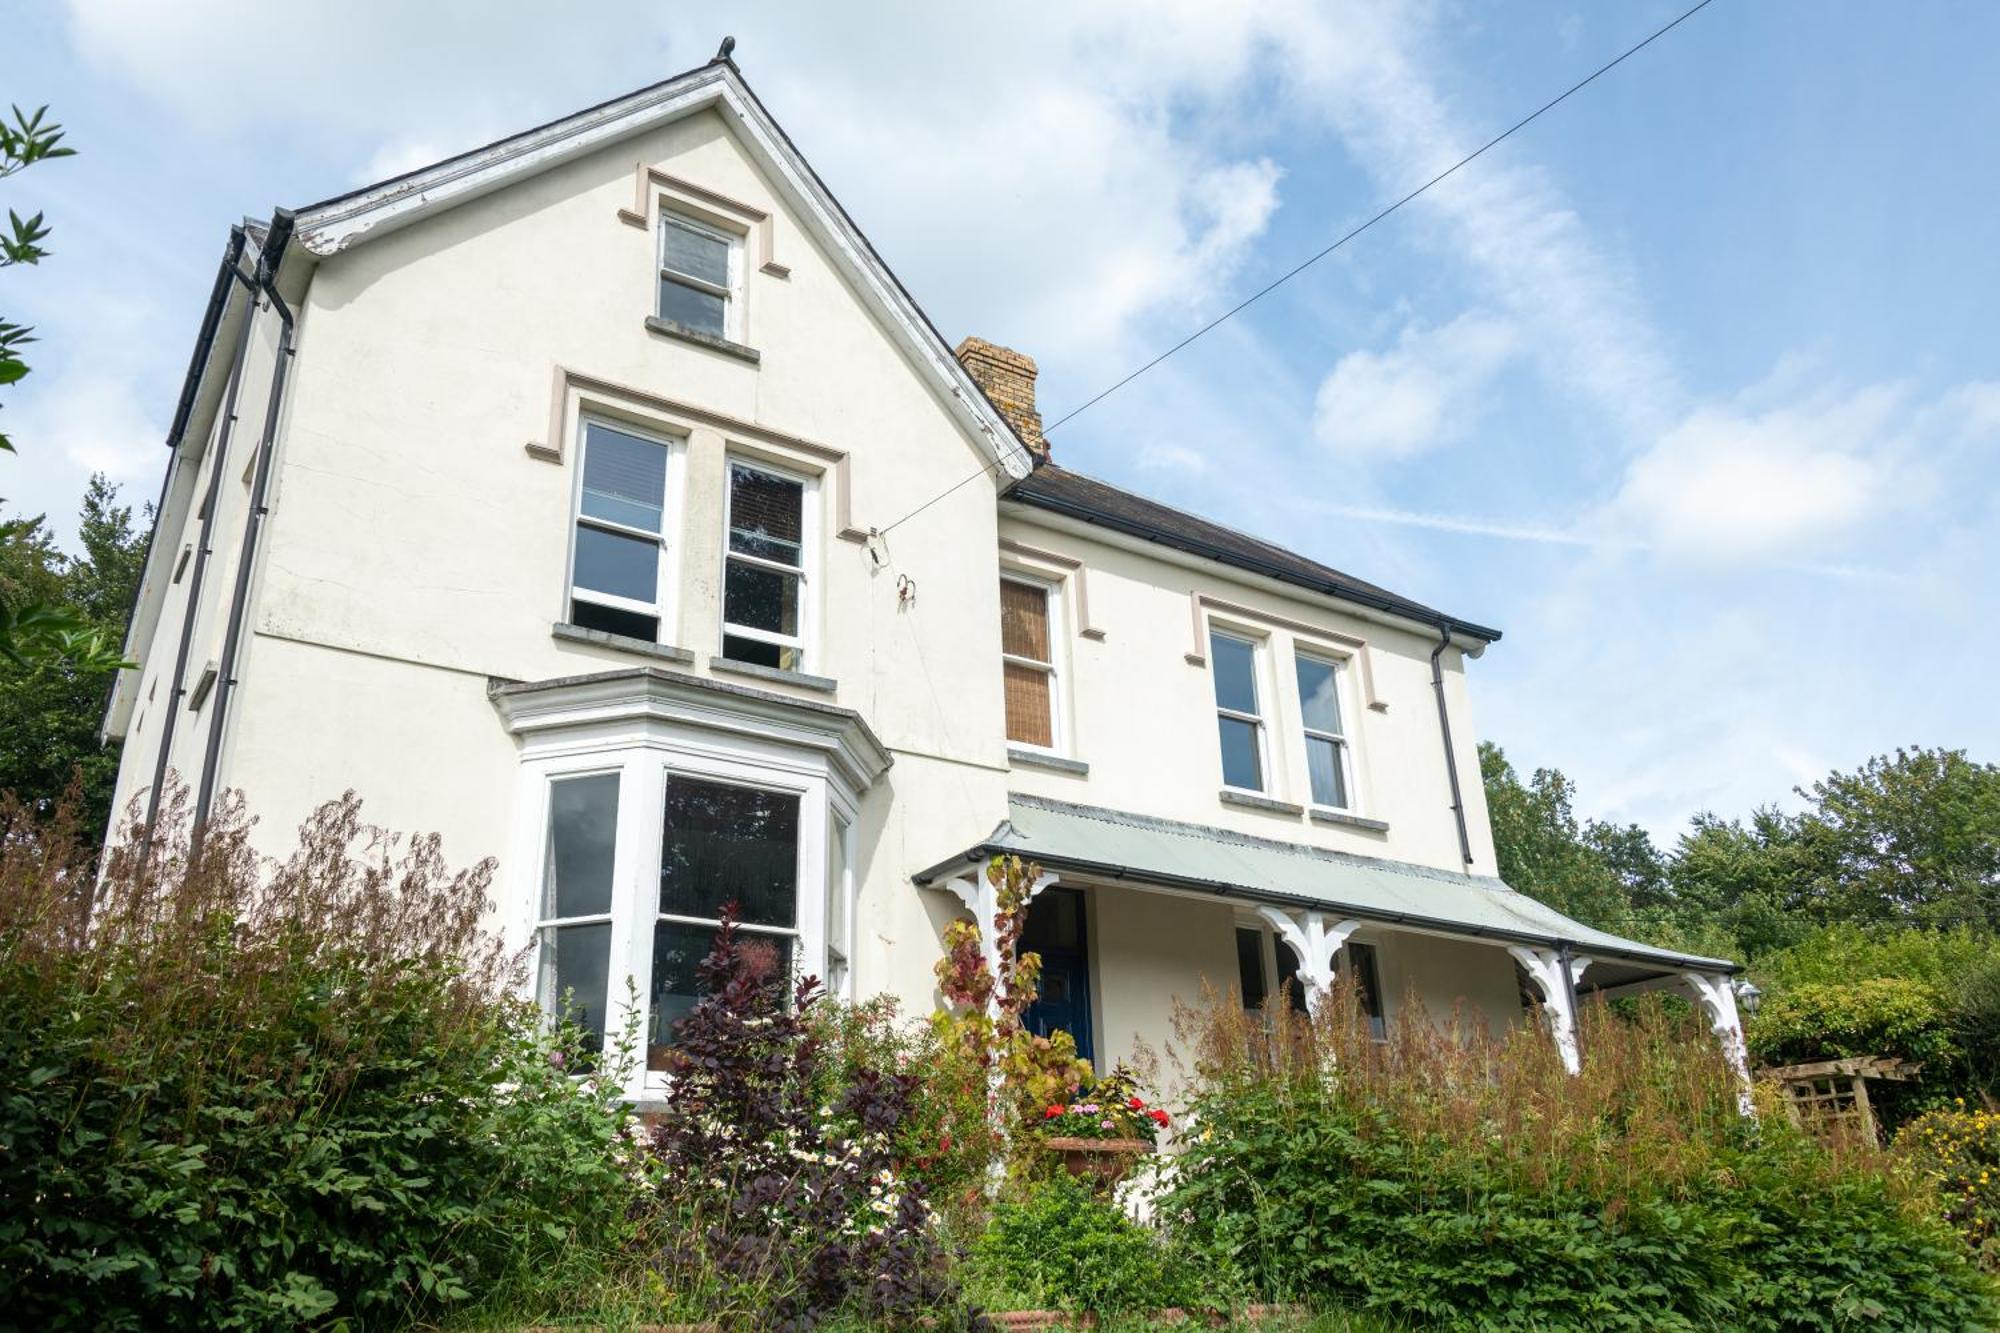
x=1106, y=1161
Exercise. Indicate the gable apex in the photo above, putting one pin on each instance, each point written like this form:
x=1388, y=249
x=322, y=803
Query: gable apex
x=346, y=220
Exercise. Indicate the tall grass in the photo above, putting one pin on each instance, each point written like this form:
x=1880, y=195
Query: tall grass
x=1462, y=1176
x=237, y=1093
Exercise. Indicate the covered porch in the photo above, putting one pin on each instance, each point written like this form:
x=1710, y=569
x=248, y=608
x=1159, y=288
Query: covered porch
x=1131, y=912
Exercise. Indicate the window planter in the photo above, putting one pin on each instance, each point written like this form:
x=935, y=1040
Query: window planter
x=1104, y=1161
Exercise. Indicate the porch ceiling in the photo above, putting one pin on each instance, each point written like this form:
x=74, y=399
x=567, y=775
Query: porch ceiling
x=1111, y=844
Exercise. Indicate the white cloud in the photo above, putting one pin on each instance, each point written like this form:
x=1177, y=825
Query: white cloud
x=1025, y=172
x=1422, y=393
x=1724, y=484
x=1732, y=481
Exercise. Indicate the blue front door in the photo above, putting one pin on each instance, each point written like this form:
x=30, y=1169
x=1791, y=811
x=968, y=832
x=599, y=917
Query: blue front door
x=1055, y=929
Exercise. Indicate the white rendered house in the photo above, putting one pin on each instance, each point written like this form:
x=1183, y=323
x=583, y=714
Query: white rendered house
x=600, y=500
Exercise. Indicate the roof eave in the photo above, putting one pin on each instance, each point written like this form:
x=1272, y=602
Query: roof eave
x=934, y=875
x=1475, y=637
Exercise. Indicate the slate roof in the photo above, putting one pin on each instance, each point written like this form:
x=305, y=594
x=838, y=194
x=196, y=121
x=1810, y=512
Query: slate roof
x=1058, y=490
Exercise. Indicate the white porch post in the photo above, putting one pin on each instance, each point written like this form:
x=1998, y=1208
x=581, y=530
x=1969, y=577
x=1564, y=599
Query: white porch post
x=1715, y=992
x=1314, y=939
x=1545, y=969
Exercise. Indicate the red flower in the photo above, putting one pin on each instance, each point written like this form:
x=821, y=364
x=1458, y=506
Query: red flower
x=1136, y=1104
x=1159, y=1118
x=1052, y=1113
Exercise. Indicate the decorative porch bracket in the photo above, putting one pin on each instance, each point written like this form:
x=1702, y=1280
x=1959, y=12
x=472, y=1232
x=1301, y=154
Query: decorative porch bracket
x=1545, y=968
x=1715, y=993
x=1316, y=943
x=982, y=898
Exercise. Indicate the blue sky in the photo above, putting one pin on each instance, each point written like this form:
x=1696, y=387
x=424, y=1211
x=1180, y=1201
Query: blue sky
x=1691, y=387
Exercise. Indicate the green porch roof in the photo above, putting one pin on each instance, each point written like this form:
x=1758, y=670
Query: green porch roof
x=1110, y=844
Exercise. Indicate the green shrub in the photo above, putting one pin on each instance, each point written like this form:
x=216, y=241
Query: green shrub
x=237, y=1100
x=1468, y=1181
x=1958, y=1152
x=945, y=1138
x=1063, y=1247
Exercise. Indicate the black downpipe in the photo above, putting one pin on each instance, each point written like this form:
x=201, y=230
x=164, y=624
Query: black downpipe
x=1450, y=756
x=211, y=319
x=275, y=242
x=217, y=465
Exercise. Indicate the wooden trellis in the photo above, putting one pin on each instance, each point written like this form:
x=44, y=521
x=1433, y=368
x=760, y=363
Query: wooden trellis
x=1829, y=1099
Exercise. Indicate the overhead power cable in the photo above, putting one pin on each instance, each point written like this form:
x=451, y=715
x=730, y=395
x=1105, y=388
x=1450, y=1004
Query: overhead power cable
x=1307, y=263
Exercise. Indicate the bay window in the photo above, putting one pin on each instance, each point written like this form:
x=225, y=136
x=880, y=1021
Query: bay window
x=764, y=603
x=573, y=933
x=650, y=802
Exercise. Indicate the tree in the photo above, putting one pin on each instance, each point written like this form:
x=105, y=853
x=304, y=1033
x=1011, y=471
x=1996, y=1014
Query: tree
x=34, y=629
x=1546, y=853
x=50, y=705
x=1910, y=839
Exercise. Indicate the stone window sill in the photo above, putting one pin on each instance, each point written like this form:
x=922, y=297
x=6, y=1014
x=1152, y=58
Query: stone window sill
x=1042, y=759
x=1345, y=820
x=666, y=328
x=1250, y=800
x=824, y=684
x=623, y=643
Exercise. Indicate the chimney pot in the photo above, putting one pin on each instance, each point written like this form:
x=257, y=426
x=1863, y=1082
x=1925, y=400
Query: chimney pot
x=1007, y=378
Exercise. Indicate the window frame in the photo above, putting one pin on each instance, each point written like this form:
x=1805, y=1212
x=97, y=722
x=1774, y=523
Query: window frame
x=1052, y=606
x=1258, y=721
x=667, y=568
x=804, y=643
x=540, y=922
x=731, y=293
x=1343, y=742
x=644, y=766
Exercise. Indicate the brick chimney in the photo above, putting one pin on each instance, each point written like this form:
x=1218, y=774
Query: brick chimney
x=1008, y=379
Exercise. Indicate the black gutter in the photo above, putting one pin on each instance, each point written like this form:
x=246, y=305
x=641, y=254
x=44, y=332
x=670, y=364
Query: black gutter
x=1023, y=494
x=1450, y=756
x=216, y=467
x=211, y=320
x=1224, y=889
x=276, y=240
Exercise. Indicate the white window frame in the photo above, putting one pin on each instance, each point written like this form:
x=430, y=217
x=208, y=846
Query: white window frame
x=541, y=922
x=842, y=903
x=668, y=573
x=1261, y=723
x=805, y=571
x=732, y=294
x=1051, y=591
x=1343, y=743
x=644, y=768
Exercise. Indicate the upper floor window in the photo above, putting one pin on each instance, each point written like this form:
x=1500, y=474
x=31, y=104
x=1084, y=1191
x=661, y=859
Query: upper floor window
x=764, y=604
x=698, y=268
x=1326, y=741
x=619, y=579
x=1238, y=717
x=1028, y=664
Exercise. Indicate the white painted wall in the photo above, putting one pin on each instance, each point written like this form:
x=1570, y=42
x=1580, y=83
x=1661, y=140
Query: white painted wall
x=1143, y=717
x=417, y=550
